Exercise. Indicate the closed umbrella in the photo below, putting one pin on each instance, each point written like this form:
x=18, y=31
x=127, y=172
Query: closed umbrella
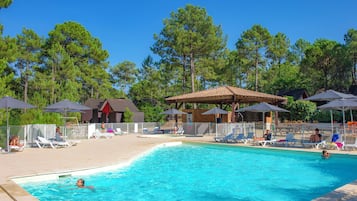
x=8, y=103
x=262, y=107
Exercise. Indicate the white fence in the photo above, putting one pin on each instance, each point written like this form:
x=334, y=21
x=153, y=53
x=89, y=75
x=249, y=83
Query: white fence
x=29, y=133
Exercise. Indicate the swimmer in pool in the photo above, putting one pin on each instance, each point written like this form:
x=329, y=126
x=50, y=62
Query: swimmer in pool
x=81, y=184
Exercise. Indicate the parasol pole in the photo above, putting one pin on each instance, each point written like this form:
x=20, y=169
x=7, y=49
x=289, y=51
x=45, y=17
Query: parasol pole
x=7, y=130
x=331, y=122
x=343, y=123
x=263, y=122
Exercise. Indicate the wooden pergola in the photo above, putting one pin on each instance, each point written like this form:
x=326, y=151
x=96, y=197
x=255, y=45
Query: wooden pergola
x=226, y=95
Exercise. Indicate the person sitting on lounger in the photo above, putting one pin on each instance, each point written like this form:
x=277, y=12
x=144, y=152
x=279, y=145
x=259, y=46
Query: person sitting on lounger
x=267, y=135
x=325, y=154
x=59, y=136
x=316, y=137
x=14, y=141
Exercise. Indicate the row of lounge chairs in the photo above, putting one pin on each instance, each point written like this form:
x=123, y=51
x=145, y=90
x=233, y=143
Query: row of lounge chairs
x=42, y=142
x=239, y=138
x=333, y=143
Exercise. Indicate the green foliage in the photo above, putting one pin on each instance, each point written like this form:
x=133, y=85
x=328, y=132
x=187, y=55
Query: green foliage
x=5, y=3
x=152, y=113
x=351, y=43
x=190, y=44
x=124, y=74
x=252, y=47
x=75, y=63
x=128, y=115
x=301, y=110
x=71, y=63
x=318, y=65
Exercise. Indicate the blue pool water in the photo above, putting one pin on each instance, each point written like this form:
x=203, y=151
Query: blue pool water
x=210, y=173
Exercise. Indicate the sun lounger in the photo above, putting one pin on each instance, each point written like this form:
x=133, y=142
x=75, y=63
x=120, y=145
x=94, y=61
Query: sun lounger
x=180, y=131
x=249, y=138
x=43, y=142
x=240, y=138
x=16, y=148
x=334, y=144
x=263, y=143
x=227, y=138
x=289, y=139
x=315, y=145
x=353, y=146
x=97, y=134
x=118, y=131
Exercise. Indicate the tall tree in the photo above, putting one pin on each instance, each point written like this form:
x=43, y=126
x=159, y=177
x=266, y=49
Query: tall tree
x=233, y=73
x=76, y=64
x=189, y=36
x=253, y=45
x=124, y=74
x=351, y=42
x=8, y=52
x=278, y=50
x=319, y=63
x=29, y=48
x=297, y=53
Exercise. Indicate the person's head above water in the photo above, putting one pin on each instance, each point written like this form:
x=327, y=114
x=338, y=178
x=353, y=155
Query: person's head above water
x=80, y=183
x=325, y=154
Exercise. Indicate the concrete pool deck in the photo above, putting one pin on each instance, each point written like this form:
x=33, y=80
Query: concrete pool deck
x=98, y=153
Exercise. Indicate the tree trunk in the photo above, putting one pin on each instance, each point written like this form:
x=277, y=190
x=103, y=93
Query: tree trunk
x=192, y=65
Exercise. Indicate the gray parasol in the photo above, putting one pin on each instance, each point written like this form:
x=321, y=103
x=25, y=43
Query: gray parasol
x=262, y=107
x=8, y=103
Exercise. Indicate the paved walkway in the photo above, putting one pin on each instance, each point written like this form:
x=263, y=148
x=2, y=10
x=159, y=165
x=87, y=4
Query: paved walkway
x=94, y=154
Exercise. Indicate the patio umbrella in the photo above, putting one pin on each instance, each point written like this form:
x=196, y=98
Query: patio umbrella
x=330, y=95
x=173, y=111
x=262, y=107
x=8, y=103
x=66, y=106
x=343, y=105
x=215, y=111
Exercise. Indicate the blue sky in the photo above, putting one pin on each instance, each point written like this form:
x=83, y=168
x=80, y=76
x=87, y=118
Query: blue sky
x=126, y=28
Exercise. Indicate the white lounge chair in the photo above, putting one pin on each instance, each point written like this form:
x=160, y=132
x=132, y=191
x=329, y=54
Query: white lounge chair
x=289, y=139
x=97, y=134
x=353, y=146
x=16, y=148
x=334, y=144
x=43, y=142
x=180, y=131
x=263, y=143
x=118, y=131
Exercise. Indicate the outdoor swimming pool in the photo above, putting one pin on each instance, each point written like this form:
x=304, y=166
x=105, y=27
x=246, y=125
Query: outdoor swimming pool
x=210, y=172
